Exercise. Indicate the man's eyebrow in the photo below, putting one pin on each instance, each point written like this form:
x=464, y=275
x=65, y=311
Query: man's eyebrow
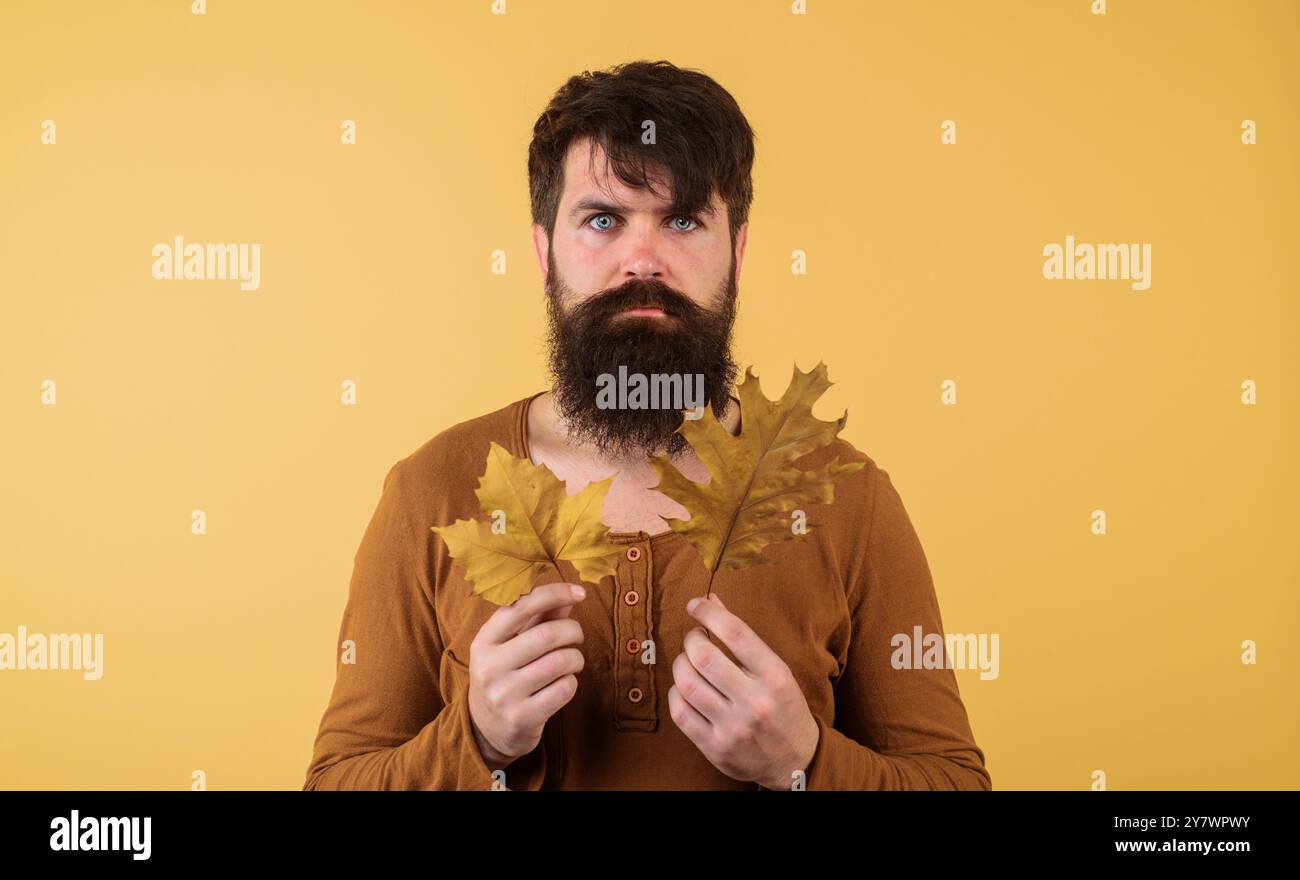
x=593, y=204
x=590, y=204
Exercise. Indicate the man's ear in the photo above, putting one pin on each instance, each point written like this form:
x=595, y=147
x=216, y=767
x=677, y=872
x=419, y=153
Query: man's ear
x=542, y=247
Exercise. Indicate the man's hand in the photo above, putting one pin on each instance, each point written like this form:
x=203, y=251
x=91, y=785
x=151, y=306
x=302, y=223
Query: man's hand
x=521, y=673
x=751, y=721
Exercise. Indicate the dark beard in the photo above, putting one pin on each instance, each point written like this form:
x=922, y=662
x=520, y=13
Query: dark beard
x=591, y=339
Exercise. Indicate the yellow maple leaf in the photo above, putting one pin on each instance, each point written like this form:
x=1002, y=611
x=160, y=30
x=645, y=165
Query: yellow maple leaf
x=753, y=483
x=532, y=524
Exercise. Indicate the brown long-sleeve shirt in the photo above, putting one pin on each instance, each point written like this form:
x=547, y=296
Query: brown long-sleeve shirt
x=399, y=717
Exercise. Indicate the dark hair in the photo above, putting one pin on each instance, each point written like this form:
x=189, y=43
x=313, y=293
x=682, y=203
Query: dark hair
x=703, y=141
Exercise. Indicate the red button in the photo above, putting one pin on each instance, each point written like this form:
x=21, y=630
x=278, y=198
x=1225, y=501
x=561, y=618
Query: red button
x=633, y=554
x=633, y=645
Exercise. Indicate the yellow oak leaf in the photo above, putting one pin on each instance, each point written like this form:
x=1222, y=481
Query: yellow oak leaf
x=532, y=524
x=753, y=485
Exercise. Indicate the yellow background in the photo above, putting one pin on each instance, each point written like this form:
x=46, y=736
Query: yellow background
x=1118, y=652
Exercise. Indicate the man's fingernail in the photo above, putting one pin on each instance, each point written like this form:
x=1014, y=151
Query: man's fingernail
x=578, y=592
x=690, y=606
x=719, y=598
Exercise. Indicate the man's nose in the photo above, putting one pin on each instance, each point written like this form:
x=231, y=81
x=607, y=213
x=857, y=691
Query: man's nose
x=643, y=258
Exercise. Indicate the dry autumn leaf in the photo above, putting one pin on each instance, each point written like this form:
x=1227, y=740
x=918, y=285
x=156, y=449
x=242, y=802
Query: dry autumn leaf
x=753, y=483
x=532, y=524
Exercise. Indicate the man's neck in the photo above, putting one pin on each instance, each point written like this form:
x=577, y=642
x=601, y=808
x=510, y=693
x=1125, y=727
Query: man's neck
x=547, y=433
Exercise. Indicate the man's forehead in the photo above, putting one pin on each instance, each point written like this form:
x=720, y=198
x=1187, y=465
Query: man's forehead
x=589, y=180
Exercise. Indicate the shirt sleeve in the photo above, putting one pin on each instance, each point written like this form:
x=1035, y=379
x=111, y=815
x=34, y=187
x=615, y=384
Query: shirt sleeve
x=895, y=729
x=398, y=717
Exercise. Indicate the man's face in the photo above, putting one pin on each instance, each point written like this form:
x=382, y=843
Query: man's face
x=616, y=248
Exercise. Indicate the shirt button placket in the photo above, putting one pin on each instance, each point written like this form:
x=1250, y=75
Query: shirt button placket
x=635, y=707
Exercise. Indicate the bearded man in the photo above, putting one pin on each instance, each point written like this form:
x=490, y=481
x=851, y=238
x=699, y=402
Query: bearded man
x=785, y=677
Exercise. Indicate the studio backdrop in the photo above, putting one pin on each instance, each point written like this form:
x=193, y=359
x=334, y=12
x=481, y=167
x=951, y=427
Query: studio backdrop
x=1046, y=249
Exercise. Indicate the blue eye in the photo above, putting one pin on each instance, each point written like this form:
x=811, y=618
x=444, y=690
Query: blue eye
x=695, y=223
